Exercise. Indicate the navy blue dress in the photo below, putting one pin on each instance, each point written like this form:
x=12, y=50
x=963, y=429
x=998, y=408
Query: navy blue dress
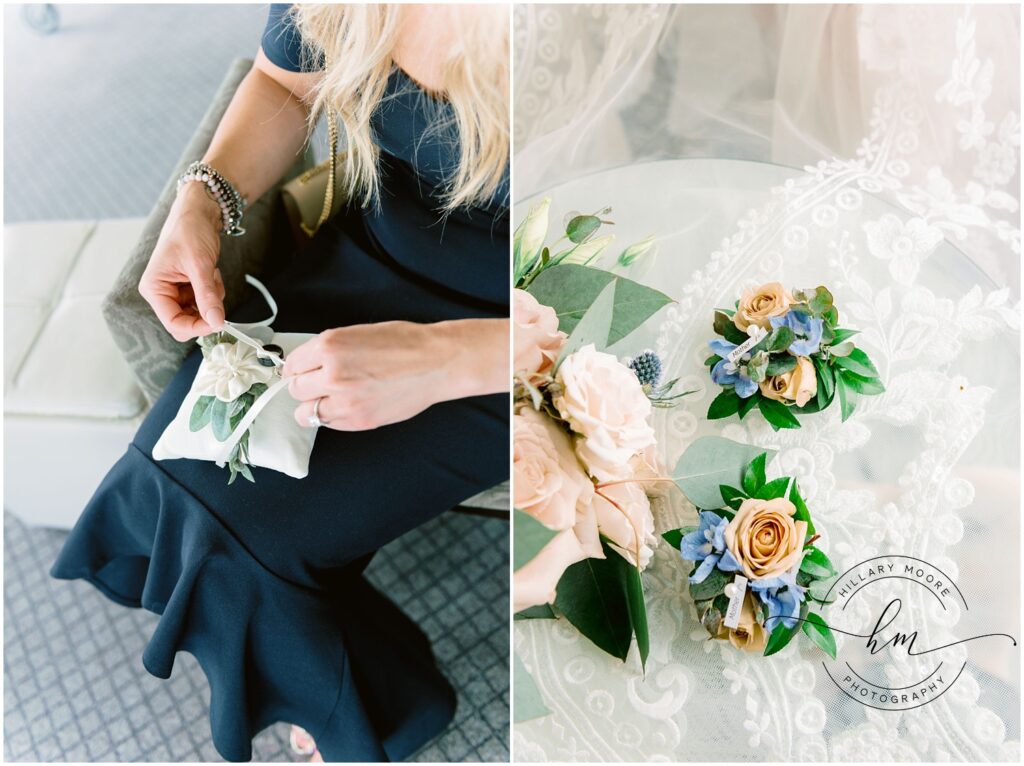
x=263, y=582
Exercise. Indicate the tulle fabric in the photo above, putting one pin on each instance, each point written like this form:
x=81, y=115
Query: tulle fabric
x=602, y=86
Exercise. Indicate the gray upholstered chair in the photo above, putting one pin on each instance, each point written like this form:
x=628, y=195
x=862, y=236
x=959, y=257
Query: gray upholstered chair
x=152, y=354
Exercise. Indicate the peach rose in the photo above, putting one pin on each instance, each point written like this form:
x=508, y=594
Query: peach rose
x=799, y=385
x=647, y=467
x=625, y=519
x=536, y=337
x=550, y=485
x=604, y=403
x=764, y=538
x=759, y=304
x=748, y=634
x=548, y=482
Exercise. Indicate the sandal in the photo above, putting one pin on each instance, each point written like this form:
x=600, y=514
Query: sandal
x=303, y=744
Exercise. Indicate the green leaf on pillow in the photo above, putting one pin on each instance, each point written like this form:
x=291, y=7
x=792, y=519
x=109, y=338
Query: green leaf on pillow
x=220, y=419
x=803, y=513
x=780, y=364
x=526, y=702
x=746, y=405
x=753, y=474
x=847, y=398
x=539, y=612
x=733, y=497
x=201, y=413
x=674, y=536
x=712, y=585
x=724, y=326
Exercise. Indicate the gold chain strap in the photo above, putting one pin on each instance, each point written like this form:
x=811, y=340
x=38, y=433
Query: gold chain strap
x=332, y=132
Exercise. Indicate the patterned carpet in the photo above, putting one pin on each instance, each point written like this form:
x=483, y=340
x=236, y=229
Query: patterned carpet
x=95, y=116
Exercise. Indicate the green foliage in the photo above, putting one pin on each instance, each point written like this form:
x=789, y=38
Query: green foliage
x=725, y=404
x=818, y=631
x=582, y=227
x=723, y=325
x=754, y=474
x=712, y=585
x=817, y=564
x=603, y=599
x=201, y=413
x=593, y=326
x=571, y=290
x=777, y=414
x=774, y=488
x=710, y=462
x=529, y=536
x=781, y=635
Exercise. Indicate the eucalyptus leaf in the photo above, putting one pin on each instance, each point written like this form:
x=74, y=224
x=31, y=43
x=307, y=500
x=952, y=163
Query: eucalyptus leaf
x=817, y=564
x=709, y=462
x=526, y=700
x=529, y=536
x=780, y=364
x=821, y=302
x=842, y=349
x=594, y=326
x=571, y=289
x=780, y=339
x=712, y=585
x=582, y=227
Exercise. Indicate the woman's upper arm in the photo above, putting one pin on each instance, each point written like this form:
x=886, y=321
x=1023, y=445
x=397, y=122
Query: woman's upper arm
x=281, y=56
x=300, y=84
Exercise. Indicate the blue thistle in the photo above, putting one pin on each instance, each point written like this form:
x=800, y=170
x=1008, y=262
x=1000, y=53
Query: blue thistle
x=647, y=367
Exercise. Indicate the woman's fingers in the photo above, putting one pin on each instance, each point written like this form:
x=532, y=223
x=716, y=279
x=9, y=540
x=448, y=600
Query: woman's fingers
x=308, y=385
x=167, y=302
x=203, y=276
x=306, y=358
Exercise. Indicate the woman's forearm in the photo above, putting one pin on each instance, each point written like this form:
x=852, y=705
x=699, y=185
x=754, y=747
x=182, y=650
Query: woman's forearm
x=260, y=136
x=481, y=364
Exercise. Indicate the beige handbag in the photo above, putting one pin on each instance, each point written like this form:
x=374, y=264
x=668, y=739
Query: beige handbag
x=311, y=198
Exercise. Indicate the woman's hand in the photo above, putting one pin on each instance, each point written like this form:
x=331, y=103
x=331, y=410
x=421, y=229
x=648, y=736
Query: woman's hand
x=182, y=282
x=370, y=375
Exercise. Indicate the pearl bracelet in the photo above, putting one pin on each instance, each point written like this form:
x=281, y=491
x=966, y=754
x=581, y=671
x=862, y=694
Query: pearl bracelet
x=232, y=204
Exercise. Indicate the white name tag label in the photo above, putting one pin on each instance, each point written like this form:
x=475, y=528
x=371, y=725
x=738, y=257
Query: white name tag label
x=737, y=353
x=736, y=591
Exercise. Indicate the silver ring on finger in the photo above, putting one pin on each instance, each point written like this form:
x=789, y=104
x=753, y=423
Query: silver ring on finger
x=314, y=419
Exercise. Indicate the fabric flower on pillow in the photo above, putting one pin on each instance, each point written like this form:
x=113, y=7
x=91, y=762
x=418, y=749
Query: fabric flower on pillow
x=229, y=370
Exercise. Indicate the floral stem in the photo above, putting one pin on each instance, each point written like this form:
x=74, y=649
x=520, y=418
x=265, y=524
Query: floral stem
x=604, y=484
x=636, y=532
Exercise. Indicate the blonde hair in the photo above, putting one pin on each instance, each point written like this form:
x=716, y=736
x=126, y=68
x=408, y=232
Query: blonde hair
x=358, y=40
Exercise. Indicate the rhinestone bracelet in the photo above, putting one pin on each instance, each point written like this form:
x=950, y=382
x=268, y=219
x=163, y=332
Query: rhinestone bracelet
x=232, y=204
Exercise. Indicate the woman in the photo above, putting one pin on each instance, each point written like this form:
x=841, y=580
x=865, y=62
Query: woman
x=408, y=292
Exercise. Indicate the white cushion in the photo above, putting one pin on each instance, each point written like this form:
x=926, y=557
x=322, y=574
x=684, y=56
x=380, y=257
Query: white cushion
x=59, y=358
x=71, y=405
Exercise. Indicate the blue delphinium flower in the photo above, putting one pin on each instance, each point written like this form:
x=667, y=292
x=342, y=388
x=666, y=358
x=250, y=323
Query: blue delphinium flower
x=783, y=597
x=726, y=373
x=706, y=544
x=806, y=328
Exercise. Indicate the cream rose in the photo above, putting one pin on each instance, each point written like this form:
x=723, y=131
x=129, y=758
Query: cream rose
x=764, y=538
x=748, y=634
x=536, y=337
x=799, y=385
x=229, y=370
x=603, y=402
x=759, y=304
x=550, y=485
x=624, y=517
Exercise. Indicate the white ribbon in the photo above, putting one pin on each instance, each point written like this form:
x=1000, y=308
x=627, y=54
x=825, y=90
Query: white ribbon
x=264, y=399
